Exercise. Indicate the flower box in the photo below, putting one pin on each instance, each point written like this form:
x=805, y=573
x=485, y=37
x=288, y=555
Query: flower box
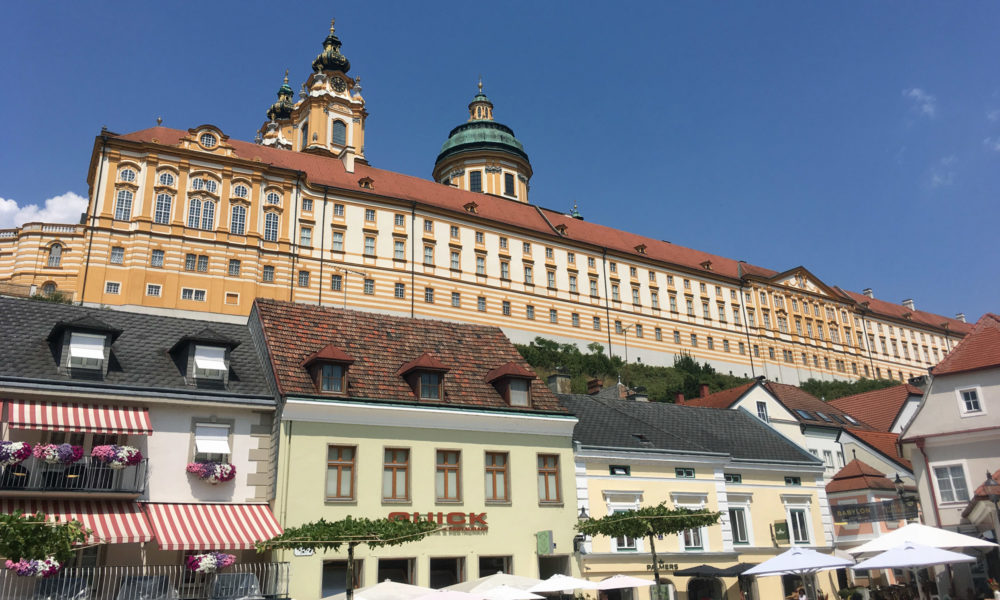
x=210, y=562
x=116, y=457
x=11, y=453
x=34, y=568
x=58, y=454
x=212, y=472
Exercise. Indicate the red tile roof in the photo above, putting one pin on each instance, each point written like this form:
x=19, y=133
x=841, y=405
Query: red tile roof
x=858, y=475
x=878, y=408
x=380, y=344
x=884, y=442
x=723, y=399
x=980, y=494
x=511, y=369
x=978, y=350
x=329, y=171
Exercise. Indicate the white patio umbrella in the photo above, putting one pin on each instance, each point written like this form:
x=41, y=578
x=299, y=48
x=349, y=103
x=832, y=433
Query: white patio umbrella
x=489, y=582
x=506, y=592
x=387, y=590
x=923, y=535
x=561, y=583
x=618, y=582
x=798, y=561
x=911, y=556
x=450, y=595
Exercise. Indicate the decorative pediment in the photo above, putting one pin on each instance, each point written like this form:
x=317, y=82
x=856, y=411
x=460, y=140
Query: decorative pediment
x=801, y=279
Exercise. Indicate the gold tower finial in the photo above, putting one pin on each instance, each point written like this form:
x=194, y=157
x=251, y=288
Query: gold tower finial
x=286, y=75
x=159, y=121
x=480, y=84
x=332, y=21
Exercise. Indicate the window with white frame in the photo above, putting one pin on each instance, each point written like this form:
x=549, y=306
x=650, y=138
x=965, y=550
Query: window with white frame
x=241, y=191
x=112, y=287
x=211, y=442
x=951, y=484
x=798, y=526
x=208, y=140
x=624, y=543
x=127, y=175
x=192, y=294
x=969, y=402
x=123, y=205
x=153, y=289
x=271, y=227
x=166, y=179
x=55, y=255
x=238, y=225
x=209, y=362
x=161, y=214
x=739, y=520
x=86, y=350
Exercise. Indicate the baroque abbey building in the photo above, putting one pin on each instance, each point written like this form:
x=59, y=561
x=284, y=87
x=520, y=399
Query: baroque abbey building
x=194, y=220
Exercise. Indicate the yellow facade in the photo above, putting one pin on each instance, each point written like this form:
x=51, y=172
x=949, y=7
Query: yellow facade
x=477, y=536
x=789, y=328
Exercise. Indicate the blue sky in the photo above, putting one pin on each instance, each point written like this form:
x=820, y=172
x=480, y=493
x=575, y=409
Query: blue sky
x=861, y=140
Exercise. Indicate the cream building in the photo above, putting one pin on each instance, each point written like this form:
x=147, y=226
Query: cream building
x=196, y=221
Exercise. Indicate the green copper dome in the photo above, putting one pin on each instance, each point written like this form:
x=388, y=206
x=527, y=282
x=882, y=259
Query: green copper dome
x=481, y=135
x=330, y=59
x=282, y=109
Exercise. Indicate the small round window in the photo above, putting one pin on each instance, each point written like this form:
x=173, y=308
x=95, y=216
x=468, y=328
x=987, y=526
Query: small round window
x=127, y=175
x=273, y=198
x=208, y=140
x=241, y=191
x=166, y=179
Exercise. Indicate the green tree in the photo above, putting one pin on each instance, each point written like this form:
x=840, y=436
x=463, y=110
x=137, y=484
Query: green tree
x=326, y=535
x=831, y=390
x=649, y=522
x=36, y=537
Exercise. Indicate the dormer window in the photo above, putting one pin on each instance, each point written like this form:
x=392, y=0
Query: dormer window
x=425, y=375
x=331, y=378
x=328, y=369
x=513, y=382
x=86, y=351
x=430, y=386
x=209, y=362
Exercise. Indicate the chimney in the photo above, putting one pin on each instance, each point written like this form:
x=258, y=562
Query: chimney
x=559, y=383
x=347, y=157
x=703, y=390
x=868, y=292
x=960, y=317
x=594, y=385
x=623, y=391
x=639, y=395
x=908, y=303
x=679, y=398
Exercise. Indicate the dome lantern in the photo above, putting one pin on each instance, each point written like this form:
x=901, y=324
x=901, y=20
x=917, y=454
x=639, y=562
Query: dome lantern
x=282, y=109
x=330, y=59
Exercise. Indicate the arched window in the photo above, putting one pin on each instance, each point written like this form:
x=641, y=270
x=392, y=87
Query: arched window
x=49, y=288
x=194, y=213
x=273, y=198
x=204, y=184
x=123, y=206
x=239, y=220
x=208, y=215
x=271, y=227
x=55, y=255
x=166, y=179
x=162, y=212
x=339, y=133
x=127, y=175
x=241, y=191
x=208, y=140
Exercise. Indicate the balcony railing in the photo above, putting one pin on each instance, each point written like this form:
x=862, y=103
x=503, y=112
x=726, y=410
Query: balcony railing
x=241, y=581
x=85, y=475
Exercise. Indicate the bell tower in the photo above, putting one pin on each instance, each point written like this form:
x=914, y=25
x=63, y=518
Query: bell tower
x=329, y=117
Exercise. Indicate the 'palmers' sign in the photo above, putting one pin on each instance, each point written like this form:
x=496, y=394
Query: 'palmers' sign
x=453, y=521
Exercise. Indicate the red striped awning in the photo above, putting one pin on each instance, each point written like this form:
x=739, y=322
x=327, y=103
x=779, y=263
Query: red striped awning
x=111, y=522
x=66, y=416
x=210, y=526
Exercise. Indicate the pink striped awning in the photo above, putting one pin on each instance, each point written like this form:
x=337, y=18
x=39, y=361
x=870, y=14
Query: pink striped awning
x=210, y=526
x=111, y=522
x=66, y=416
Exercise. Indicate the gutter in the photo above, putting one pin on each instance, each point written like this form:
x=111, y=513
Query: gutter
x=22, y=383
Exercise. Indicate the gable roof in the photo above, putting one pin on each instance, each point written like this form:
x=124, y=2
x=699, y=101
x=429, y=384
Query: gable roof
x=724, y=398
x=627, y=424
x=978, y=350
x=884, y=443
x=878, y=408
x=384, y=347
x=858, y=475
x=140, y=355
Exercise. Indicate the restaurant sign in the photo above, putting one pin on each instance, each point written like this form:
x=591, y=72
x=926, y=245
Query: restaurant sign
x=871, y=512
x=452, y=521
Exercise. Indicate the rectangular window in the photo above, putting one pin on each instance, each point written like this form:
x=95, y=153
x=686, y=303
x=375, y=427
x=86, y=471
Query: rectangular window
x=528, y=276
x=597, y=323
x=677, y=337
x=738, y=524
x=692, y=539
x=575, y=318
x=658, y=333
x=203, y=263
x=338, y=210
x=398, y=220
x=951, y=483
x=190, y=294
x=338, y=241
x=447, y=476
x=306, y=236
x=553, y=315
x=970, y=401
x=336, y=282
x=480, y=265
x=497, y=487
x=506, y=308
x=529, y=312
x=117, y=255
x=548, y=478
x=399, y=250
x=399, y=290
x=370, y=287
x=684, y=473
x=340, y=472
x=369, y=214
x=481, y=304
x=593, y=288
x=733, y=478
x=548, y=253
x=303, y=278
x=429, y=295
x=694, y=340
x=614, y=293
x=331, y=378
x=369, y=246
x=624, y=543
x=689, y=304
x=234, y=267
x=798, y=526
x=635, y=297
x=430, y=385
x=638, y=330
x=761, y=406
x=396, y=474
x=526, y=247
x=475, y=181
x=591, y=262
x=618, y=328
x=571, y=258
x=112, y=287
x=428, y=226
x=794, y=481
x=429, y=255
x=550, y=277
x=572, y=284
x=156, y=258
x=456, y=299
x=654, y=299
x=456, y=260
x=508, y=184
x=505, y=270
x=453, y=231
x=153, y=289
x=190, y=260
x=86, y=350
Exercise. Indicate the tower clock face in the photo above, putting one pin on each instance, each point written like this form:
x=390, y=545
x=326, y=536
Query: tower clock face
x=339, y=85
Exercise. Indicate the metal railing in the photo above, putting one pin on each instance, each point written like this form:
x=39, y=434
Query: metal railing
x=85, y=475
x=241, y=581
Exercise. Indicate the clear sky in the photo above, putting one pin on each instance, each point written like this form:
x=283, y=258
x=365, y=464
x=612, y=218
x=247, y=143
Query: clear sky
x=859, y=139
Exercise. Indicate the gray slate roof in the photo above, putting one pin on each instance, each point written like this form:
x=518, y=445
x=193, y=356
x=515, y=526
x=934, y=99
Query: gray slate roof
x=612, y=423
x=139, y=356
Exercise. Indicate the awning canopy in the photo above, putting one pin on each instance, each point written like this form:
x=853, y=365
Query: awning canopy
x=210, y=526
x=112, y=522
x=65, y=416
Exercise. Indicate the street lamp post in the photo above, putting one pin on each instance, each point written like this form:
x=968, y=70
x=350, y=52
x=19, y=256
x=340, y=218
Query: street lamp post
x=903, y=496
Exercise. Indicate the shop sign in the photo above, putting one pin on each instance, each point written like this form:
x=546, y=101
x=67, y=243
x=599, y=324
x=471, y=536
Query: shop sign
x=871, y=512
x=780, y=529
x=452, y=521
x=664, y=566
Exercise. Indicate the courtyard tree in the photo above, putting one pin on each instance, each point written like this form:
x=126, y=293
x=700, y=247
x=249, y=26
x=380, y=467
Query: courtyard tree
x=649, y=522
x=31, y=541
x=327, y=535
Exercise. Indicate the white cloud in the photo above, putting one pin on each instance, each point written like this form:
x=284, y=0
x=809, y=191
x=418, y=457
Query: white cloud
x=992, y=143
x=65, y=208
x=923, y=103
x=993, y=115
x=943, y=173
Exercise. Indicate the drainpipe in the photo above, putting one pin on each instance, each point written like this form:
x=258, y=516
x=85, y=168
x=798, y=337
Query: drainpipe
x=93, y=218
x=413, y=263
x=607, y=307
x=292, y=232
x=322, y=246
x=746, y=325
x=868, y=343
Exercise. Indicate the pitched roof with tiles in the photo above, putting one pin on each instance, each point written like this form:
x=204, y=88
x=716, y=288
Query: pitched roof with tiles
x=858, y=475
x=723, y=399
x=140, y=354
x=900, y=312
x=884, y=442
x=628, y=424
x=878, y=408
x=978, y=350
x=981, y=494
x=382, y=346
